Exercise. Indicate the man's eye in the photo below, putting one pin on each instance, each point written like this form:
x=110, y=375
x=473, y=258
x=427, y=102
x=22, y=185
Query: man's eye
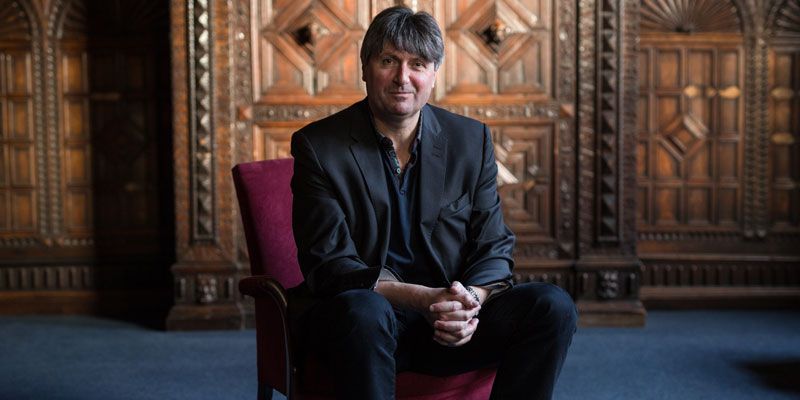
x=387, y=61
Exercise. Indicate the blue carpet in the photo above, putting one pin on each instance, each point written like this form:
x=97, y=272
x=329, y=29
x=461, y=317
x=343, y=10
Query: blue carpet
x=679, y=355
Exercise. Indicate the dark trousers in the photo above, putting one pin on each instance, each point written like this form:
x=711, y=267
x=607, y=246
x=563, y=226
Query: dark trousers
x=524, y=332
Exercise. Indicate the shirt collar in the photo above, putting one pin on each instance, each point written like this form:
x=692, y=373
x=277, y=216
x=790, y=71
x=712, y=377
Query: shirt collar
x=386, y=142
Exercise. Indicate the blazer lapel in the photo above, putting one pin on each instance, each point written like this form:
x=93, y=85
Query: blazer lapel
x=365, y=152
x=433, y=169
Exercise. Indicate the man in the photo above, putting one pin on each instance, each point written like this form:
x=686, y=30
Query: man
x=401, y=238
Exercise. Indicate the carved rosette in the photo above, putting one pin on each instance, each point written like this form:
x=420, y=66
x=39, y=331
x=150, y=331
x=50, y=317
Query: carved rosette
x=689, y=16
x=201, y=119
x=206, y=291
x=608, y=285
x=784, y=18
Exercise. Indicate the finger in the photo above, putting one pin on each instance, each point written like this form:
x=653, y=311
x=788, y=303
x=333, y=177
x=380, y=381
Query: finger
x=450, y=326
x=452, y=341
x=456, y=287
x=462, y=341
x=459, y=315
x=446, y=337
x=446, y=306
x=463, y=295
x=455, y=332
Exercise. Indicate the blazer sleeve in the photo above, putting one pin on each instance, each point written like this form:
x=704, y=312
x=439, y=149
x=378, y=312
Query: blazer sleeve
x=491, y=243
x=326, y=253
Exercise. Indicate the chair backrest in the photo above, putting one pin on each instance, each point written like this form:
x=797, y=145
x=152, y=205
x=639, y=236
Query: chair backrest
x=265, y=202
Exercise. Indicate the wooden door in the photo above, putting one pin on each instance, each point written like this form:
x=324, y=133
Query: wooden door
x=691, y=123
x=784, y=120
x=717, y=154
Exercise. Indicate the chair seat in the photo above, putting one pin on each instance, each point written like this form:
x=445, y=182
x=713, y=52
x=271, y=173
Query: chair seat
x=316, y=384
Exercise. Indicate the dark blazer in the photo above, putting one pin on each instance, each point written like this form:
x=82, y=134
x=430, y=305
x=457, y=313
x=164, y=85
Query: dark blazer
x=341, y=202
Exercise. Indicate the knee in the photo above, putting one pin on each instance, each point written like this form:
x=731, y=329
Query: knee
x=363, y=312
x=555, y=307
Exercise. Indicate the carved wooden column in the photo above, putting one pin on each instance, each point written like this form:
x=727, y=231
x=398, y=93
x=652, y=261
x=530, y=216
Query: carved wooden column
x=206, y=272
x=607, y=268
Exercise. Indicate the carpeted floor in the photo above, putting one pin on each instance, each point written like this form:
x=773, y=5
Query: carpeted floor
x=679, y=355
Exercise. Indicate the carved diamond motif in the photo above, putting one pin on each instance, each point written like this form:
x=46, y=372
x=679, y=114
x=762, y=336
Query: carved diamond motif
x=504, y=45
x=685, y=134
x=500, y=27
x=318, y=30
x=310, y=48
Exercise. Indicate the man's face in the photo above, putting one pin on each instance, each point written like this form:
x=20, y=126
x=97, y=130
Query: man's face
x=398, y=83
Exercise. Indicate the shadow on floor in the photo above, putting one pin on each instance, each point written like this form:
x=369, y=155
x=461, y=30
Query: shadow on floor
x=778, y=374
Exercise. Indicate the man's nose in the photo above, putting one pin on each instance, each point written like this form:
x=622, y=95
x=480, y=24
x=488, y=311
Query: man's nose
x=401, y=74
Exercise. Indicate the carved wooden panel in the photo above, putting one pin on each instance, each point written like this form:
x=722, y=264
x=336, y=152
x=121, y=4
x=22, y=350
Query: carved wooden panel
x=787, y=21
x=309, y=48
x=497, y=47
x=526, y=175
x=689, y=16
x=498, y=67
x=56, y=136
x=691, y=124
x=125, y=128
x=271, y=143
x=19, y=167
x=77, y=175
x=784, y=121
x=721, y=273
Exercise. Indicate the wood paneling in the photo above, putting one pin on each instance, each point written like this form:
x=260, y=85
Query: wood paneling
x=85, y=195
x=784, y=103
x=19, y=169
x=499, y=51
x=718, y=204
x=691, y=135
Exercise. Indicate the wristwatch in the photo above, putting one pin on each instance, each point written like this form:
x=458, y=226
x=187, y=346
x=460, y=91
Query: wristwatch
x=473, y=293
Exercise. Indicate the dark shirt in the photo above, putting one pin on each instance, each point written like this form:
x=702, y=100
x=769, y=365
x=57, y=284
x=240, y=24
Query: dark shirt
x=405, y=246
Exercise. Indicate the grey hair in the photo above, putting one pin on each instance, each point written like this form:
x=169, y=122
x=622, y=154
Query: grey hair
x=415, y=33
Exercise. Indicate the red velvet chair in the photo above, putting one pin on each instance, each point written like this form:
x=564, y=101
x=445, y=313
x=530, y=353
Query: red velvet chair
x=265, y=201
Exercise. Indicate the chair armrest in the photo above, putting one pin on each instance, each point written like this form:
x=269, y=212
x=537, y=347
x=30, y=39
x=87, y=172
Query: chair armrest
x=262, y=286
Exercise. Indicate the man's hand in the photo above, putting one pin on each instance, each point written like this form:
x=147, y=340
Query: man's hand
x=452, y=315
x=450, y=311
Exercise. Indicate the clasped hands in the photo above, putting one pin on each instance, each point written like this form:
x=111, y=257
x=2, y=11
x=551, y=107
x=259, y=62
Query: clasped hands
x=453, y=314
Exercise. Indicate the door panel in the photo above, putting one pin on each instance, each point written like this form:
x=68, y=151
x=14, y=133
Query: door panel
x=694, y=148
x=784, y=130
